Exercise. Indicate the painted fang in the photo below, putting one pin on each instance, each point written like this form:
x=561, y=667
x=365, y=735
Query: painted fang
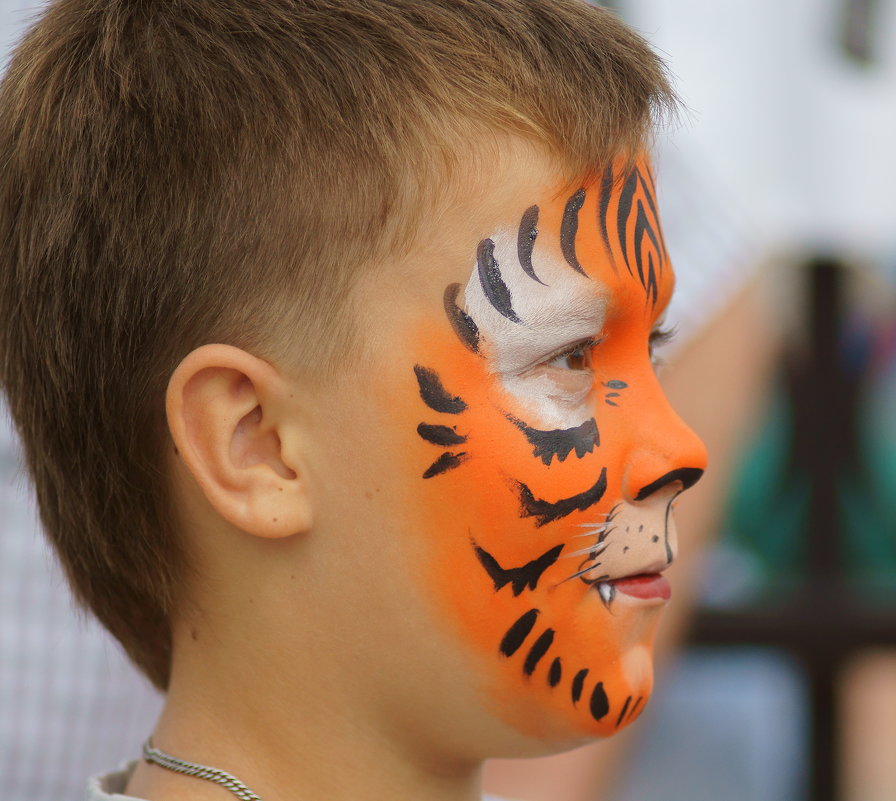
x=607, y=592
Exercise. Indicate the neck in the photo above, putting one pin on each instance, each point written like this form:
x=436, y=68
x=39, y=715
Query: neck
x=286, y=745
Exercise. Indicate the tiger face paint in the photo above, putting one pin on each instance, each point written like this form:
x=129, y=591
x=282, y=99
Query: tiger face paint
x=543, y=455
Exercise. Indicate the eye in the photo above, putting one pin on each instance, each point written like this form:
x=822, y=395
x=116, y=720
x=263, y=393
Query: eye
x=658, y=337
x=575, y=357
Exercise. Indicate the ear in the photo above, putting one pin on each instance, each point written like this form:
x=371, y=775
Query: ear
x=231, y=422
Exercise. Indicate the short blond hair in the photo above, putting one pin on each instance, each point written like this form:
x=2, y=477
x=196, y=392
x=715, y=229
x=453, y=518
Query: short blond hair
x=173, y=174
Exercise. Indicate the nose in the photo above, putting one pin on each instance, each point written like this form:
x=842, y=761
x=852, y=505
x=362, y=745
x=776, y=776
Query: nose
x=685, y=476
x=663, y=449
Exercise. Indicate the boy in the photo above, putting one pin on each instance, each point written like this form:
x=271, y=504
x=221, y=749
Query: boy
x=328, y=332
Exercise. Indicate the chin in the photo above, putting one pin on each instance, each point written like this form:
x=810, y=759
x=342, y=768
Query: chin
x=616, y=686
x=540, y=728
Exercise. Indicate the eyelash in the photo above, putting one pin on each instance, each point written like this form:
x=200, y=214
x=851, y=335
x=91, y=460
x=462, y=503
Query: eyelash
x=585, y=344
x=659, y=336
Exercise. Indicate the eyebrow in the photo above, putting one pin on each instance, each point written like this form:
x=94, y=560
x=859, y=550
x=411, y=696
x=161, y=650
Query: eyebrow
x=552, y=326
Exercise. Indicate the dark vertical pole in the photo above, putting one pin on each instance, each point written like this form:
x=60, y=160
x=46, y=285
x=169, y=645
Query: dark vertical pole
x=824, y=427
x=857, y=30
x=824, y=624
x=825, y=424
x=824, y=777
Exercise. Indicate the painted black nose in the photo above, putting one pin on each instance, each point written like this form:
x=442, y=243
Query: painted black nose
x=688, y=476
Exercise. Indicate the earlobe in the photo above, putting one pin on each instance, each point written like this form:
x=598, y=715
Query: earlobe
x=226, y=415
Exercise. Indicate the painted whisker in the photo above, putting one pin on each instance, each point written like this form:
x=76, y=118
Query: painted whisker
x=594, y=549
x=601, y=533
x=593, y=526
x=581, y=573
x=605, y=533
x=594, y=531
x=586, y=525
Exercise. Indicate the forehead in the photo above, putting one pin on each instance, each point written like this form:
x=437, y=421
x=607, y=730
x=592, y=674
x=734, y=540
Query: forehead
x=531, y=250
x=569, y=263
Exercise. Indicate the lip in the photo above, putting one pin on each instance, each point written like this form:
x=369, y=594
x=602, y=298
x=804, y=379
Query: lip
x=645, y=586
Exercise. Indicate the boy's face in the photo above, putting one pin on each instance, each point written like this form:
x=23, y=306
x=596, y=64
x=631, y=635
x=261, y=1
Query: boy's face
x=527, y=457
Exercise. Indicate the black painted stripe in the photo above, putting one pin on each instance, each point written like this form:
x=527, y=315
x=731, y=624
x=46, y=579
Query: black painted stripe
x=546, y=512
x=577, y=684
x=600, y=704
x=652, y=289
x=537, y=651
x=688, y=476
x=560, y=442
x=569, y=228
x=643, y=227
x=624, y=212
x=440, y=435
x=525, y=242
x=464, y=327
x=446, y=462
x=555, y=673
x=493, y=285
x=631, y=715
x=622, y=713
x=650, y=193
x=606, y=192
x=434, y=394
x=517, y=633
x=519, y=578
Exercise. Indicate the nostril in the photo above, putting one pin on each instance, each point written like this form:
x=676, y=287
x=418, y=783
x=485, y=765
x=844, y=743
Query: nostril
x=688, y=476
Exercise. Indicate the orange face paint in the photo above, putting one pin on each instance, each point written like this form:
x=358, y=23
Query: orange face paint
x=548, y=456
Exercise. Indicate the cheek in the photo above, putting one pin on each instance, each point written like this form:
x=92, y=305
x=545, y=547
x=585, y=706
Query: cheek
x=493, y=575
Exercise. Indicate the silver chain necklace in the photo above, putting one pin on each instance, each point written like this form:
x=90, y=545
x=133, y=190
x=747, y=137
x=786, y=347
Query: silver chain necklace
x=222, y=777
